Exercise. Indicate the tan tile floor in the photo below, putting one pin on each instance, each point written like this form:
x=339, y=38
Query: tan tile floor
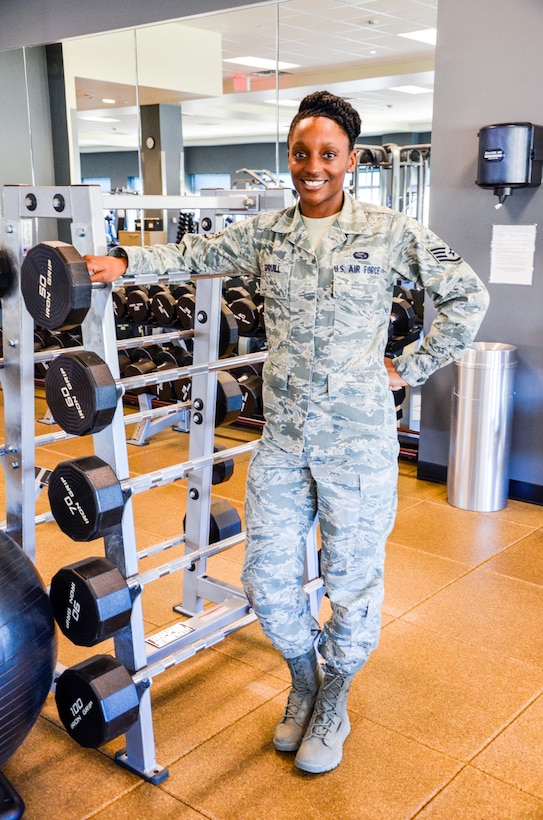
x=447, y=716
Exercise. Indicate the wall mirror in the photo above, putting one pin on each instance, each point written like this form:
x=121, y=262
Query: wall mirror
x=235, y=79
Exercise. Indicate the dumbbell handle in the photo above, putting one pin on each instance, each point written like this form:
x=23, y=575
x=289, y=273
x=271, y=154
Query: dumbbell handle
x=143, y=677
x=183, y=562
x=158, y=478
x=129, y=418
x=149, y=379
x=122, y=344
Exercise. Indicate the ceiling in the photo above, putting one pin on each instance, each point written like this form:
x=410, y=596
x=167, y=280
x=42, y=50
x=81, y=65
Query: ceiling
x=351, y=48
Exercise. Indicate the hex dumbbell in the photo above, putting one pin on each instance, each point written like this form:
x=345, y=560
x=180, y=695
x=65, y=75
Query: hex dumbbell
x=87, y=499
x=82, y=393
x=92, y=601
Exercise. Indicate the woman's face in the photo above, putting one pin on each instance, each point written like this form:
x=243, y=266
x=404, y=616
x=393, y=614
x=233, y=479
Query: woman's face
x=318, y=159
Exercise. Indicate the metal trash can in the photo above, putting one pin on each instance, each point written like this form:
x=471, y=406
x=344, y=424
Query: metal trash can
x=481, y=422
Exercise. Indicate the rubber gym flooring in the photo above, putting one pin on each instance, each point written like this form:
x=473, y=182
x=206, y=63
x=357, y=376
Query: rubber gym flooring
x=447, y=716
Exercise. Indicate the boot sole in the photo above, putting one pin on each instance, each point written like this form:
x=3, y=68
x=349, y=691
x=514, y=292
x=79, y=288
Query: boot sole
x=332, y=763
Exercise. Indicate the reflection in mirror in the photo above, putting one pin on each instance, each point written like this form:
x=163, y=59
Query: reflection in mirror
x=195, y=101
x=180, y=115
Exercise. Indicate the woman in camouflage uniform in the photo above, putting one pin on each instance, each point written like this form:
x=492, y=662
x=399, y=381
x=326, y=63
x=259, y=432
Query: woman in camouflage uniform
x=327, y=270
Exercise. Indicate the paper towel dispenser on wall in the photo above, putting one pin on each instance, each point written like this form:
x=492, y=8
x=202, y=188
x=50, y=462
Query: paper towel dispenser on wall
x=510, y=156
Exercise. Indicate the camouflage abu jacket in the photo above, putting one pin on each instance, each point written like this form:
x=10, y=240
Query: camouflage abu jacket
x=327, y=315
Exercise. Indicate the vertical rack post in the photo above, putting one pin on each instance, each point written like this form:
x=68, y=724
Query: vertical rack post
x=17, y=377
x=202, y=433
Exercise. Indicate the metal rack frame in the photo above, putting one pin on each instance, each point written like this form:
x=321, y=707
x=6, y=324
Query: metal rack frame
x=199, y=628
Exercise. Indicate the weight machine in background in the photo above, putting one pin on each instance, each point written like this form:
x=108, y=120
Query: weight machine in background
x=398, y=177
x=126, y=708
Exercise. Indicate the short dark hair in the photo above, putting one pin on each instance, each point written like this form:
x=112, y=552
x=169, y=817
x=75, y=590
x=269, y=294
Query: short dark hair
x=325, y=104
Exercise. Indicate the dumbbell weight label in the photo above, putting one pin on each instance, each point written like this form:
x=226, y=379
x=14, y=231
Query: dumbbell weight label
x=73, y=611
x=73, y=507
x=44, y=289
x=79, y=710
x=69, y=396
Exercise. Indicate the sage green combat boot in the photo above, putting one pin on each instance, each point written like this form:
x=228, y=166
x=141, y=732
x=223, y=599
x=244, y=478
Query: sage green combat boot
x=306, y=676
x=322, y=746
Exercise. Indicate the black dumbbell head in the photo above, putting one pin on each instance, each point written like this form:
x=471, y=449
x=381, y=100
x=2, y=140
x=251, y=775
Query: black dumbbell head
x=91, y=600
x=222, y=470
x=229, y=398
x=251, y=388
x=56, y=285
x=7, y=272
x=185, y=308
x=246, y=315
x=138, y=305
x=229, y=332
x=86, y=498
x=97, y=700
x=81, y=392
x=163, y=307
x=224, y=520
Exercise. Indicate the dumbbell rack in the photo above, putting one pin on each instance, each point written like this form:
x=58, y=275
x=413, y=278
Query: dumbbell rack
x=142, y=655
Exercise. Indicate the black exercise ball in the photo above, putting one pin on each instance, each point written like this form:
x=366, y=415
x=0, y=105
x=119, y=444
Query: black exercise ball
x=28, y=648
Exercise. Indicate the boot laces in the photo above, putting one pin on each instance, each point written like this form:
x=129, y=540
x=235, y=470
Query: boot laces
x=294, y=704
x=325, y=716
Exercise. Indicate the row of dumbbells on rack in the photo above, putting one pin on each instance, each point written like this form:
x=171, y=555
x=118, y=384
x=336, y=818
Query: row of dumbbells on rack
x=174, y=305
x=239, y=391
x=141, y=311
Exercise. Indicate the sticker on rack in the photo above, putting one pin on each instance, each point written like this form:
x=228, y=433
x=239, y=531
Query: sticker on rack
x=169, y=635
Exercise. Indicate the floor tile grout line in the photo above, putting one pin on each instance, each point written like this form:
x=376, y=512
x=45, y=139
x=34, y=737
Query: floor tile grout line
x=470, y=762
x=463, y=575
x=473, y=646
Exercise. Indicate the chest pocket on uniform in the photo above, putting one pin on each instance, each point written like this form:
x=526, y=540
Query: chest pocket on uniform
x=357, y=302
x=274, y=280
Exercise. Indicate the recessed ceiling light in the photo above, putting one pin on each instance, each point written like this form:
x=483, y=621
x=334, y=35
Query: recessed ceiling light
x=108, y=101
x=284, y=103
x=97, y=119
x=260, y=62
x=426, y=35
x=411, y=89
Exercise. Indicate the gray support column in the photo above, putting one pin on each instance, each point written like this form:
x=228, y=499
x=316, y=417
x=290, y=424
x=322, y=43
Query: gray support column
x=161, y=156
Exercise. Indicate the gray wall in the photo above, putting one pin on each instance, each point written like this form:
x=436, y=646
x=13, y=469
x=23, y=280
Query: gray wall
x=25, y=125
x=488, y=69
x=117, y=165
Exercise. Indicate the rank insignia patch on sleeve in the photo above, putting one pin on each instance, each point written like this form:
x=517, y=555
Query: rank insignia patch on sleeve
x=444, y=254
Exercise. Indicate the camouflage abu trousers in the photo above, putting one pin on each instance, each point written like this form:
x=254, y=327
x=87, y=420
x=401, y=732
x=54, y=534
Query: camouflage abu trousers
x=355, y=497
